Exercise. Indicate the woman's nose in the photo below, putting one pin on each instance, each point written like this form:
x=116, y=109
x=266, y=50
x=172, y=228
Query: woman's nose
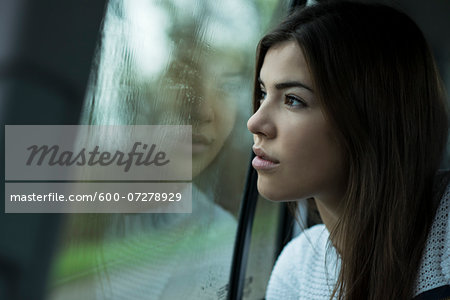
x=202, y=111
x=261, y=123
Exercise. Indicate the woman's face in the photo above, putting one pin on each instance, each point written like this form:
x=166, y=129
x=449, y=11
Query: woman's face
x=298, y=156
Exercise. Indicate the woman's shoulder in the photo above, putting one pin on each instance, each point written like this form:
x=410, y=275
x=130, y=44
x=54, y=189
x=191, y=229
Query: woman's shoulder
x=300, y=270
x=308, y=244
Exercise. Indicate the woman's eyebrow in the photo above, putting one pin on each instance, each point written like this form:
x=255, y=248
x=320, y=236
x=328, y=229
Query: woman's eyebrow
x=289, y=84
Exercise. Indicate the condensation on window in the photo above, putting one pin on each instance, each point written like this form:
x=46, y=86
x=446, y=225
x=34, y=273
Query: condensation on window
x=169, y=62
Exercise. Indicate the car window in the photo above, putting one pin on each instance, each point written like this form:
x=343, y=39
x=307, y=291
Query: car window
x=170, y=62
x=264, y=247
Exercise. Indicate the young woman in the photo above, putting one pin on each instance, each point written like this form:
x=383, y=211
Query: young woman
x=350, y=112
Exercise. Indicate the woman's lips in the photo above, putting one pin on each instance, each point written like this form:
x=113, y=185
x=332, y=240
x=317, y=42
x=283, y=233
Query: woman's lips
x=262, y=161
x=261, y=164
x=200, y=143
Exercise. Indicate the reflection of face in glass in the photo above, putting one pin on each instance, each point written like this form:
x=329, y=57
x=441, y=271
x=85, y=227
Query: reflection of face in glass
x=194, y=92
x=188, y=67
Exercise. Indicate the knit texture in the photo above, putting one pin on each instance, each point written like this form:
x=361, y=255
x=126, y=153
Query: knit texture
x=434, y=270
x=306, y=270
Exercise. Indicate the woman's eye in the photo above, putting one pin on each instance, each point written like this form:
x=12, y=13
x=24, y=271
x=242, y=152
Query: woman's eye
x=262, y=96
x=294, y=101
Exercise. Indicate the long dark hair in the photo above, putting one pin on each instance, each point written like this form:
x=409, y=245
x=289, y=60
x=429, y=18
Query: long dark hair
x=379, y=87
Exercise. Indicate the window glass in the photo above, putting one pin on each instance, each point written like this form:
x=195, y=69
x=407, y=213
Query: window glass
x=171, y=62
x=263, y=248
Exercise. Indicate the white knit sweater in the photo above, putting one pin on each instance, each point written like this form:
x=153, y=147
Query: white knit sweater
x=305, y=270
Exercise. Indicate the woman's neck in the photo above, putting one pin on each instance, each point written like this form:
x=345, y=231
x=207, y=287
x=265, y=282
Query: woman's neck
x=329, y=215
